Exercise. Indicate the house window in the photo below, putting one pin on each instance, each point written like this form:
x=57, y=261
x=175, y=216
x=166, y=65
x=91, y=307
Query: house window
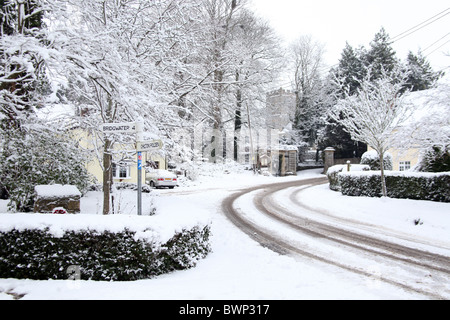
x=405, y=165
x=121, y=171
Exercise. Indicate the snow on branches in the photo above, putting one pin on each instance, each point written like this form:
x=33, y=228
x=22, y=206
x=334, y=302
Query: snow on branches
x=375, y=113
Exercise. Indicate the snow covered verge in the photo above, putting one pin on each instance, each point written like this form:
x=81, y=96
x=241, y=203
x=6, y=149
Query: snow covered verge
x=425, y=222
x=115, y=247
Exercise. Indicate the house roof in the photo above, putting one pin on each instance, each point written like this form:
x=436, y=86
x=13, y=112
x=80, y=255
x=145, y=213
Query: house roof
x=429, y=102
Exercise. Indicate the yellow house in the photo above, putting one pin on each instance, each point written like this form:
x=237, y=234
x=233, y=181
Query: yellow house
x=403, y=160
x=124, y=167
x=430, y=116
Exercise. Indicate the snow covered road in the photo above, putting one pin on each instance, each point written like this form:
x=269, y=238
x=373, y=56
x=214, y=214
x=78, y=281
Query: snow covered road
x=239, y=268
x=276, y=218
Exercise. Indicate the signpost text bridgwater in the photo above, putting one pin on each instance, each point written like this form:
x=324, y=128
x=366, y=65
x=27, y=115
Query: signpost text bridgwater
x=118, y=128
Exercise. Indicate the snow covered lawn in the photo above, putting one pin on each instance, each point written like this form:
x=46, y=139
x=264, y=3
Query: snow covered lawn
x=423, y=221
x=238, y=268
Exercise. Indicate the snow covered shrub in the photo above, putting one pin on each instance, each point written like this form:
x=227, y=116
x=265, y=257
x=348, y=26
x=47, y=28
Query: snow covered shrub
x=101, y=256
x=185, y=249
x=333, y=173
x=435, y=159
x=372, y=159
x=401, y=185
x=39, y=157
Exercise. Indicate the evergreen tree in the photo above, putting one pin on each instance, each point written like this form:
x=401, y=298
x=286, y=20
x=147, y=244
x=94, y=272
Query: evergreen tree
x=435, y=159
x=351, y=69
x=349, y=73
x=381, y=56
x=421, y=75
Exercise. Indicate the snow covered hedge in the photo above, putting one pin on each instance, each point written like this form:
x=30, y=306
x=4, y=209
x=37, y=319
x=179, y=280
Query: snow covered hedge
x=401, y=185
x=334, y=171
x=119, y=248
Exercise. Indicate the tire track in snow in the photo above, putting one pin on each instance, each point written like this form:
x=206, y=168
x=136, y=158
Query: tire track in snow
x=412, y=260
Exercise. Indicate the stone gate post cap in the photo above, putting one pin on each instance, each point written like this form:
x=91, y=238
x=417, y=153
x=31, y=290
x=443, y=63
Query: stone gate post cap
x=330, y=149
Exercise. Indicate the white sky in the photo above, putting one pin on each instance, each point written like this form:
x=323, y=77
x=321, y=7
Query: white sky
x=333, y=22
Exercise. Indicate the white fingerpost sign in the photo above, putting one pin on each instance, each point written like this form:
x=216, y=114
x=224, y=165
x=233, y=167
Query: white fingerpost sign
x=146, y=146
x=118, y=127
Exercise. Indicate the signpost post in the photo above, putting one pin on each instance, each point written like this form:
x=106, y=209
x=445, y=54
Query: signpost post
x=139, y=137
x=141, y=146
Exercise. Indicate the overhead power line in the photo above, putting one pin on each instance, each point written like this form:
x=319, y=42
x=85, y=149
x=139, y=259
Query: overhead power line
x=421, y=25
x=437, y=49
x=431, y=45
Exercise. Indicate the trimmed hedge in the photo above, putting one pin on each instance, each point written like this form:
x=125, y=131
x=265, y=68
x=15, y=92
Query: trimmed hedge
x=333, y=174
x=107, y=256
x=416, y=186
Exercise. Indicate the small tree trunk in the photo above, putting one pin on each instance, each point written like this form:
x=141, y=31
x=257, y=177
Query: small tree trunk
x=237, y=121
x=383, y=180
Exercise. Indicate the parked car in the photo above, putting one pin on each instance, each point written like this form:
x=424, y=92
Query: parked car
x=161, y=179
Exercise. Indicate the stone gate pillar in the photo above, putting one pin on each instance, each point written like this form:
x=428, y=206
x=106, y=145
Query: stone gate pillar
x=329, y=159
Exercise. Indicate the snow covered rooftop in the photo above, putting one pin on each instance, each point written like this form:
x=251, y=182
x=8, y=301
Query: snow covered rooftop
x=429, y=102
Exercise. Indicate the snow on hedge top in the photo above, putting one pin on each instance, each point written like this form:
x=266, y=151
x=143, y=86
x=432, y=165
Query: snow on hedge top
x=343, y=167
x=173, y=217
x=56, y=191
x=409, y=174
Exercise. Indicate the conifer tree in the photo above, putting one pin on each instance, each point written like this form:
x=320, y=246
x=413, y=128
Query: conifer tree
x=421, y=75
x=351, y=69
x=381, y=56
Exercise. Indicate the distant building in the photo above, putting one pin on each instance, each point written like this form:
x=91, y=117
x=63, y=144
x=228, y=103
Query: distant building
x=280, y=109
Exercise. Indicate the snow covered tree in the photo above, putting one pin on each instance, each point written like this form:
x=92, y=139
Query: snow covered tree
x=429, y=128
x=381, y=57
x=257, y=61
x=122, y=59
x=435, y=159
x=39, y=155
x=306, y=57
x=232, y=56
x=421, y=75
x=24, y=52
x=31, y=151
x=351, y=68
x=375, y=113
x=350, y=71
